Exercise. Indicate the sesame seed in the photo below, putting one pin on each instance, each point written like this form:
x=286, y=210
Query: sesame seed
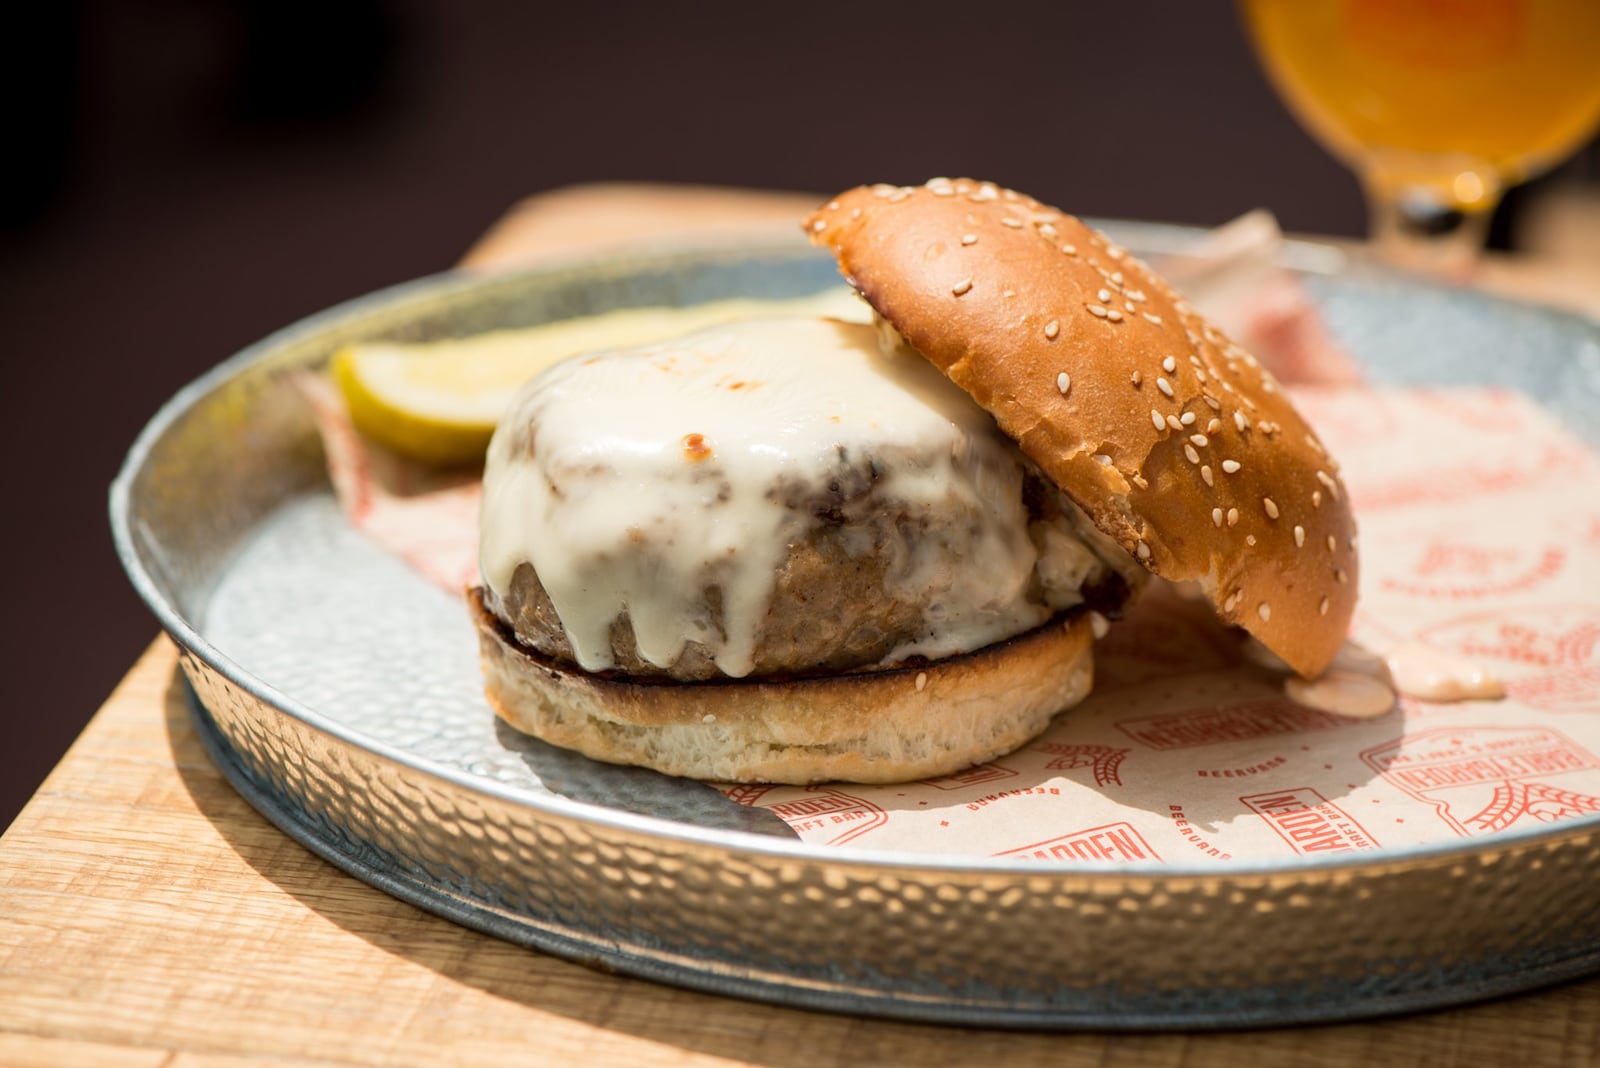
x=1230, y=466
x=1216, y=517
x=1136, y=378
x=1322, y=607
x=1205, y=473
x=1188, y=450
x=1015, y=224
x=1071, y=250
x=1249, y=539
x=1188, y=419
x=1264, y=610
x=1199, y=439
x=1114, y=315
x=1128, y=304
x=708, y=718
x=1097, y=311
x=922, y=680
x=1333, y=487
x=961, y=287
x=1270, y=506
x=1116, y=276
x=1156, y=418
x=1215, y=404
x=1102, y=459
x=1299, y=536
x=969, y=239
x=833, y=205
x=819, y=226
x=1046, y=230
x=1354, y=541
x=1233, y=516
x=1063, y=382
x=1316, y=498
x=1104, y=296
x=1333, y=546
x=1164, y=386
x=1174, y=422
x=1169, y=365
x=855, y=213
x=1052, y=329
x=1240, y=421
x=1142, y=550
x=1153, y=318
x=1340, y=575
x=1213, y=426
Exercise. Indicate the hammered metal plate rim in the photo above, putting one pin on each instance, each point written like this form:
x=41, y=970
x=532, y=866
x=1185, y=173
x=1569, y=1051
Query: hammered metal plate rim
x=891, y=1005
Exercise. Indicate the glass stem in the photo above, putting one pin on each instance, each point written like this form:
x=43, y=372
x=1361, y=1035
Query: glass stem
x=1423, y=227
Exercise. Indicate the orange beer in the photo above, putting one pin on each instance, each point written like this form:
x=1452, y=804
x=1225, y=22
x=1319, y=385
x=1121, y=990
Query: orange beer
x=1462, y=97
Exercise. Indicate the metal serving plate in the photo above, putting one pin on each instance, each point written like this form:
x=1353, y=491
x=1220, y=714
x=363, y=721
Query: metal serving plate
x=340, y=693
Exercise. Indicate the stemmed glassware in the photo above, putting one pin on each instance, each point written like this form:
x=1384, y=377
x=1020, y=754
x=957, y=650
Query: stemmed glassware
x=1438, y=105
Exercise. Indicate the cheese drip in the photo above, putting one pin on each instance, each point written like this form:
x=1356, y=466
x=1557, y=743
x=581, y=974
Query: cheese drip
x=649, y=483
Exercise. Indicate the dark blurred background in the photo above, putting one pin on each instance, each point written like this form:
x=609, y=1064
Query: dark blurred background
x=184, y=176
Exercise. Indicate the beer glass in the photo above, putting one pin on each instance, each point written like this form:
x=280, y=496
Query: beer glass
x=1438, y=105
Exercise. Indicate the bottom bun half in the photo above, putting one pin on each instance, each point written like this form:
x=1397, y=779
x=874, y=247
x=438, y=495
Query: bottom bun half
x=885, y=726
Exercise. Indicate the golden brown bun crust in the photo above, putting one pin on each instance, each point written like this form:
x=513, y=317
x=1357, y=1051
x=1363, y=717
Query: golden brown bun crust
x=1005, y=294
x=884, y=726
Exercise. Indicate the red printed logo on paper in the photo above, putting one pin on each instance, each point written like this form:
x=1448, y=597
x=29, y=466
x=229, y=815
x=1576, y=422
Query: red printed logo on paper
x=1309, y=822
x=1470, y=479
x=823, y=809
x=1112, y=842
x=1462, y=571
x=1590, y=531
x=1229, y=723
x=1104, y=759
x=1486, y=779
x=1548, y=656
x=976, y=775
x=746, y=794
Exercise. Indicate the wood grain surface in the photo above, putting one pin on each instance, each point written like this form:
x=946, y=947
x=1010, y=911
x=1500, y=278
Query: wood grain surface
x=148, y=916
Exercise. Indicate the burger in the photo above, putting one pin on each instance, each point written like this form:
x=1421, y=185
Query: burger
x=793, y=551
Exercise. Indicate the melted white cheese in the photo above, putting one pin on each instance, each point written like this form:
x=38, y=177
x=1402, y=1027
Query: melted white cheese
x=679, y=446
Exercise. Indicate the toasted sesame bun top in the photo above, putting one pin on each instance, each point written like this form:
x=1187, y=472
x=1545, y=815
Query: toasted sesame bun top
x=1171, y=437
